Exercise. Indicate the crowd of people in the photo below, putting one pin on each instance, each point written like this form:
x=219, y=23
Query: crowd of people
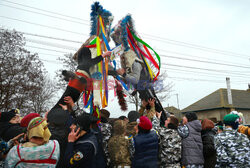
x=69, y=137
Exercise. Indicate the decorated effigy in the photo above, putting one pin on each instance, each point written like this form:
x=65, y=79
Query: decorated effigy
x=139, y=65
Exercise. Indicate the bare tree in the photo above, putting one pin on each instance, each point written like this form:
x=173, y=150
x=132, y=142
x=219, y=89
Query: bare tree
x=22, y=74
x=43, y=99
x=69, y=64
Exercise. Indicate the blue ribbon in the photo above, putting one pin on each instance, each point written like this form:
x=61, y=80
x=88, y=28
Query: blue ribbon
x=90, y=100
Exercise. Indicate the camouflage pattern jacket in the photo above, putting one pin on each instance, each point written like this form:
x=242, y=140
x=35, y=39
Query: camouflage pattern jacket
x=106, y=134
x=233, y=149
x=170, y=152
x=148, y=113
x=118, y=147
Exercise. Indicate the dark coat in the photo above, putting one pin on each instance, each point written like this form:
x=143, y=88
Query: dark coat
x=209, y=151
x=9, y=131
x=82, y=153
x=146, y=150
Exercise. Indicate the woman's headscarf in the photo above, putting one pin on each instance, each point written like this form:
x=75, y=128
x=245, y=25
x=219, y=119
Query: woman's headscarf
x=38, y=127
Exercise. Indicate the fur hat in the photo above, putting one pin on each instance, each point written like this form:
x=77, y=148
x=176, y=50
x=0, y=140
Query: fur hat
x=145, y=123
x=191, y=116
x=7, y=116
x=231, y=120
x=133, y=116
x=26, y=119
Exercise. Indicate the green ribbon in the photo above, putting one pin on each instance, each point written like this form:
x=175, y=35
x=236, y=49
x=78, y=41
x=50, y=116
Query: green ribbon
x=144, y=43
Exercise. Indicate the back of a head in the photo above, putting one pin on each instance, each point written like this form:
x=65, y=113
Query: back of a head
x=231, y=120
x=58, y=117
x=174, y=122
x=122, y=117
x=191, y=116
x=207, y=124
x=133, y=116
x=84, y=121
x=119, y=127
x=144, y=125
x=105, y=113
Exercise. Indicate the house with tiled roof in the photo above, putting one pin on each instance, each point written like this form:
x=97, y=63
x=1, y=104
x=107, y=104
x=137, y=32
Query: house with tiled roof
x=215, y=105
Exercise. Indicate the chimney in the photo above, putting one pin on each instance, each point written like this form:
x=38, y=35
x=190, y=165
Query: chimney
x=229, y=93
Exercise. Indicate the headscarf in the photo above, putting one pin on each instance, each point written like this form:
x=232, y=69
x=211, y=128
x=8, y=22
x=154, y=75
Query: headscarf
x=38, y=127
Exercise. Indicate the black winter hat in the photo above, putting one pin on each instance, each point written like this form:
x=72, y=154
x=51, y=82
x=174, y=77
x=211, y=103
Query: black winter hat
x=84, y=121
x=58, y=116
x=7, y=116
x=84, y=55
x=191, y=116
x=133, y=116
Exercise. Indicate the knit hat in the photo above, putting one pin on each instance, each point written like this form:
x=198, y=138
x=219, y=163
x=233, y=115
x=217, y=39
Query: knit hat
x=145, y=123
x=83, y=121
x=26, y=119
x=133, y=116
x=38, y=127
x=7, y=116
x=231, y=120
x=191, y=116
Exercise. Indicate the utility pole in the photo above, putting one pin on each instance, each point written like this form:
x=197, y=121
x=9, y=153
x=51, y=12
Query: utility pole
x=178, y=101
x=136, y=102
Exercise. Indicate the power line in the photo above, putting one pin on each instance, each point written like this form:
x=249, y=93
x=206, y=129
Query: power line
x=45, y=10
x=185, y=44
x=205, y=69
x=45, y=49
x=194, y=56
x=52, y=44
x=50, y=61
x=196, y=46
x=48, y=54
x=48, y=37
x=71, y=48
x=199, y=73
x=43, y=25
x=44, y=14
x=209, y=62
x=74, y=49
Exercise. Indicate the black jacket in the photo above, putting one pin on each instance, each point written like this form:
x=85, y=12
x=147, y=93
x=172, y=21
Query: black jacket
x=209, y=151
x=9, y=131
x=82, y=153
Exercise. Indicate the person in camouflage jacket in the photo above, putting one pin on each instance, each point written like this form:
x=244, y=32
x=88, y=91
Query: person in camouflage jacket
x=170, y=153
x=118, y=146
x=233, y=148
x=105, y=128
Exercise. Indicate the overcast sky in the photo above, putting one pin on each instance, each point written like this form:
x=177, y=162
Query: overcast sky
x=214, y=32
